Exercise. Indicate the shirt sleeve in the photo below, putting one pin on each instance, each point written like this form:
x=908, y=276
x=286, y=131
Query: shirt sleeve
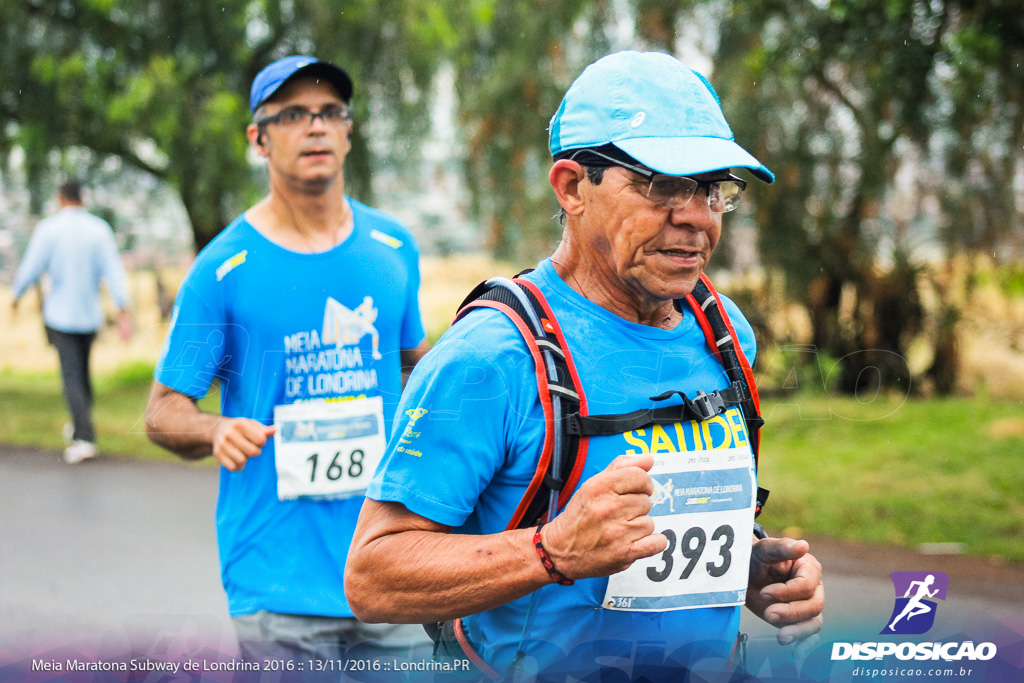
x=113, y=271
x=193, y=354
x=37, y=257
x=454, y=427
x=413, y=331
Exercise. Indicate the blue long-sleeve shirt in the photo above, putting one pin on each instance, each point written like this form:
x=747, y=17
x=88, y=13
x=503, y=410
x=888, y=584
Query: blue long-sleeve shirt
x=77, y=251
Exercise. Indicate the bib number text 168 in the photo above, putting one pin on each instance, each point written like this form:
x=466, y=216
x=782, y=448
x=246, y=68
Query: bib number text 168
x=338, y=467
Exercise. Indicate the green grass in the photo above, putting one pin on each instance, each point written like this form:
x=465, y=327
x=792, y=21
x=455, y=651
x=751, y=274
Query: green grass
x=884, y=472
x=897, y=473
x=33, y=412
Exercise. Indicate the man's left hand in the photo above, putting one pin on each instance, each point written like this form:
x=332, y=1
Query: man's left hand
x=786, y=590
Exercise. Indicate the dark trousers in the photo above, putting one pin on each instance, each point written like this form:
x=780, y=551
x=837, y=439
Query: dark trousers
x=74, y=348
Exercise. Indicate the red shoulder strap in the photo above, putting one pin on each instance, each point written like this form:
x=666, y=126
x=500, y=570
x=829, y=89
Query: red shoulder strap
x=529, y=503
x=549, y=320
x=702, y=319
x=700, y=311
x=542, y=392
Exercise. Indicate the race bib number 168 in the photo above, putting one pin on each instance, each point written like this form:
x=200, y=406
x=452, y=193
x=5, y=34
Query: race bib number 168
x=328, y=449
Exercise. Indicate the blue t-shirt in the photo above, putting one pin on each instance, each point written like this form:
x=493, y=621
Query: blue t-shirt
x=468, y=438
x=261, y=318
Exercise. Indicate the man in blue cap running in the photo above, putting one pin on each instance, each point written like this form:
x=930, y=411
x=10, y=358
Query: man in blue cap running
x=622, y=577
x=305, y=310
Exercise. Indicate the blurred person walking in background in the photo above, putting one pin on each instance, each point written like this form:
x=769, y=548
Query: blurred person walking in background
x=76, y=250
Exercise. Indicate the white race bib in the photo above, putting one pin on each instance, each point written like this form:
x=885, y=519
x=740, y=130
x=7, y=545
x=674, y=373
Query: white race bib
x=704, y=503
x=328, y=449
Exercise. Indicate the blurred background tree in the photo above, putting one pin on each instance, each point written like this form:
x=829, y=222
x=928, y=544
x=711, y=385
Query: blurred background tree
x=853, y=101
x=163, y=85
x=895, y=127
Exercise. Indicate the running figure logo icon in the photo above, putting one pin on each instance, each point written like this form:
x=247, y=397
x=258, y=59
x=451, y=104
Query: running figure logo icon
x=914, y=611
x=345, y=327
x=663, y=492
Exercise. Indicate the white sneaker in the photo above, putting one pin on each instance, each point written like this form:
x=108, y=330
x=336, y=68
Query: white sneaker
x=68, y=433
x=79, y=451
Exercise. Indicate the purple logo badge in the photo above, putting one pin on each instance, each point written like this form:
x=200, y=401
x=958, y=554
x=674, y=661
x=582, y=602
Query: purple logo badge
x=916, y=592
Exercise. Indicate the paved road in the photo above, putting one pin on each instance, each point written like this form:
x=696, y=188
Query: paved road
x=118, y=555
x=109, y=553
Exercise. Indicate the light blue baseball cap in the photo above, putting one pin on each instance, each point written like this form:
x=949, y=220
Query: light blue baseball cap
x=273, y=76
x=655, y=109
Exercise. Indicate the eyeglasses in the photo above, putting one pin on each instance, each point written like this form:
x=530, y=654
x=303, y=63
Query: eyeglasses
x=675, y=192
x=294, y=117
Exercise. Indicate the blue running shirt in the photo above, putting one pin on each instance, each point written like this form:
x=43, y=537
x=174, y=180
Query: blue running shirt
x=468, y=438
x=277, y=327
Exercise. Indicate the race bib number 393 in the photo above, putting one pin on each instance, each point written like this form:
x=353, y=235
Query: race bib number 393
x=328, y=449
x=704, y=504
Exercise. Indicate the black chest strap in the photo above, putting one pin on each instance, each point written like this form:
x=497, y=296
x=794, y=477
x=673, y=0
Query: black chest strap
x=700, y=408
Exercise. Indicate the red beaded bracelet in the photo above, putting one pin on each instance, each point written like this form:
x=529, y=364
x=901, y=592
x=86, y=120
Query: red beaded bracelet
x=548, y=563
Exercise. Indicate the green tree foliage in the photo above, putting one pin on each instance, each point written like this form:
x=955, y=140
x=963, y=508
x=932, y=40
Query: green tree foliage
x=840, y=97
x=163, y=85
x=836, y=96
x=978, y=134
x=154, y=84
x=512, y=65
x=392, y=49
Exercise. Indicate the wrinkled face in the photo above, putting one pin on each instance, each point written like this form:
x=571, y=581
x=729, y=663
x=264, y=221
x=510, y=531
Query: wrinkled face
x=306, y=153
x=649, y=253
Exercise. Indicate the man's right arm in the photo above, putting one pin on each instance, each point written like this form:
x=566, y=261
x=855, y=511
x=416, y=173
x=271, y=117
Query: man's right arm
x=405, y=568
x=174, y=421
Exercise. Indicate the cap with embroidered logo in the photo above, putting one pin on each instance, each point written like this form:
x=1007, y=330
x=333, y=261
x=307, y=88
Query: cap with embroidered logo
x=272, y=77
x=655, y=109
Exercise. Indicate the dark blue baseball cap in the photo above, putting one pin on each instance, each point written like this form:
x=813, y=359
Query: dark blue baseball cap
x=270, y=80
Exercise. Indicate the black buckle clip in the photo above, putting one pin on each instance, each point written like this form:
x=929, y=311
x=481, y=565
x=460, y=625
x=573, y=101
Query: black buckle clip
x=707, y=405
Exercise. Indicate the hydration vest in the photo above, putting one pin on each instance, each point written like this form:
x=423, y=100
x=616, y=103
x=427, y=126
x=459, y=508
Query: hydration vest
x=567, y=419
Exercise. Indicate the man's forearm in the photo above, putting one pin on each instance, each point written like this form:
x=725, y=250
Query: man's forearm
x=429, y=575
x=404, y=567
x=174, y=422
x=410, y=357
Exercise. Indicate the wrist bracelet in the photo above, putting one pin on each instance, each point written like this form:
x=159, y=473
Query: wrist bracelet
x=548, y=563
x=759, y=531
